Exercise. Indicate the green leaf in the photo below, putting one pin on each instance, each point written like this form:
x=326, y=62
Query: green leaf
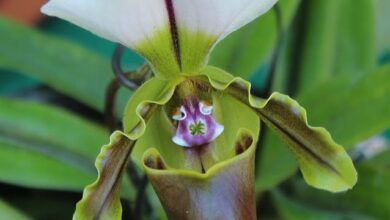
x=332, y=42
x=246, y=50
x=382, y=29
x=284, y=70
x=355, y=41
x=290, y=209
x=49, y=125
x=101, y=199
x=350, y=115
x=64, y=66
x=8, y=212
x=324, y=163
x=20, y=165
x=11, y=82
x=370, y=196
x=273, y=150
x=47, y=147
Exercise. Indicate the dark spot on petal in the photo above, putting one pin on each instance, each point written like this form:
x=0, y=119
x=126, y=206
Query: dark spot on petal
x=248, y=141
x=149, y=162
x=239, y=149
x=243, y=143
x=155, y=163
x=160, y=164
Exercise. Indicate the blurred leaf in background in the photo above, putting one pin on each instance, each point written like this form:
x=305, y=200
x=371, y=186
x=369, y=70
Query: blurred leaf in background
x=247, y=52
x=63, y=65
x=8, y=212
x=12, y=82
x=48, y=147
x=290, y=209
x=382, y=31
x=370, y=196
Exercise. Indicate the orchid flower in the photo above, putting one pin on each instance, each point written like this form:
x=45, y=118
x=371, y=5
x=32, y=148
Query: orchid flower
x=194, y=127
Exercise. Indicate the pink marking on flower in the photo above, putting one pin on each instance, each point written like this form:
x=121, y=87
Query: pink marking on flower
x=196, y=125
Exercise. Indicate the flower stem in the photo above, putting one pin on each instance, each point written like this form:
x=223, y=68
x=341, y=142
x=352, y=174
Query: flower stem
x=130, y=80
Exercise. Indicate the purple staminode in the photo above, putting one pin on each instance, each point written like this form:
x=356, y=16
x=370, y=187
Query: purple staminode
x=196, y=125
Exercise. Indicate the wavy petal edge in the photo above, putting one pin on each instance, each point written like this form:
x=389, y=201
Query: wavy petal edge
x=101, y=199
x=142, y=106
x=337, y=179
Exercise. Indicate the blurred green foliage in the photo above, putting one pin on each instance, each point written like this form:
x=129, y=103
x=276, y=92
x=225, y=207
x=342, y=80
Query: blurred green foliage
x=46, y=146
x=332, y=59
x=370, y=197
x=8, y=212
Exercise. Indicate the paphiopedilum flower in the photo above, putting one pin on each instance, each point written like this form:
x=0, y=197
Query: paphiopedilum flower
x=194, y=127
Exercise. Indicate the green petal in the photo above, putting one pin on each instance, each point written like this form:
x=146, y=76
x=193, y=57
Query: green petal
x=159, y=132
x=225, y=191
x=324, y=163
x=154, y=92
x=228, y=111
x=234, y=116
x=101, y=200
x=195, y=51
x=158, y=50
